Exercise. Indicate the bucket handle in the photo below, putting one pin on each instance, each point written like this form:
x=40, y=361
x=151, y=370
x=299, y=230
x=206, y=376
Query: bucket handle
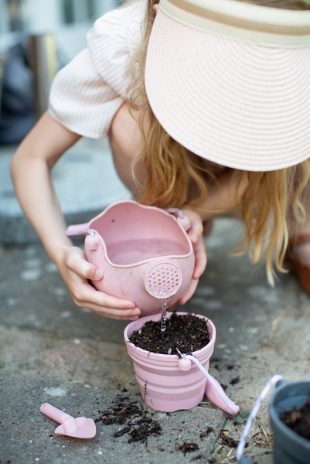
x=275, y=381
x=214, y=391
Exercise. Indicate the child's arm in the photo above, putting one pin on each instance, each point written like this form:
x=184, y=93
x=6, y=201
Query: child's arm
x=31, y=172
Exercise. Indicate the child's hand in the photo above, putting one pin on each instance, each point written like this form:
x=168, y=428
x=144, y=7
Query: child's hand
x=195, y=234
x=75, y=271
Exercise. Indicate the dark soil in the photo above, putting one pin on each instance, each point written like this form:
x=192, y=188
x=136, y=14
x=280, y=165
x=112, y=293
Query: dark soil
x=120, y=412
x=206, y=433
x=298, y=419
x=144, y=428
x=187, y=447
x=138, y=423
x=228, y=440
x=235, y=380
x=187, y=333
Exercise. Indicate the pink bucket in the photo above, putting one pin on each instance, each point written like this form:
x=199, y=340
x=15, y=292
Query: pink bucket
x=169, y=383
x=144, y=252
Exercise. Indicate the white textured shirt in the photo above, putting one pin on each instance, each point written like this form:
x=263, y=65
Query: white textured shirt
x=87, y=92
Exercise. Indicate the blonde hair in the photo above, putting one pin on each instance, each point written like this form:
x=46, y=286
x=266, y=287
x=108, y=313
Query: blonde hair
x=175, y=178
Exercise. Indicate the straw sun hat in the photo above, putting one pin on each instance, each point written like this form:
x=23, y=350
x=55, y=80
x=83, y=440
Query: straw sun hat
x=230, y=81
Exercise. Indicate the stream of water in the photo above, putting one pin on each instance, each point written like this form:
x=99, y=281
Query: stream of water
x=164, y=307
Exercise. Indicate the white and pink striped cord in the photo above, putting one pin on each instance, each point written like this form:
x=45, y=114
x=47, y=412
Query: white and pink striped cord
x=243, y=440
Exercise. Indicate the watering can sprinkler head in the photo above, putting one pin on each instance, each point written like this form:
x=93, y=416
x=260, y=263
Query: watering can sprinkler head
x=163, y=280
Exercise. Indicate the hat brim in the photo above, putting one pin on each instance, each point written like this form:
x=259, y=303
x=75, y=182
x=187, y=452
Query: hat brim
x=237, y=104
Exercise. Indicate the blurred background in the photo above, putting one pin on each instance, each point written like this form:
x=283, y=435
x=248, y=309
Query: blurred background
x=37, y=38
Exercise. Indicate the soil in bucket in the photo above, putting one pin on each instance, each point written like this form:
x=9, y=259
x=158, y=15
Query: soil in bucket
x=187, y=333
x=298, y=419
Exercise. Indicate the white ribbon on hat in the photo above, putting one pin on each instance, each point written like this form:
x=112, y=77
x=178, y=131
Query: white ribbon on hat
x=254, y=23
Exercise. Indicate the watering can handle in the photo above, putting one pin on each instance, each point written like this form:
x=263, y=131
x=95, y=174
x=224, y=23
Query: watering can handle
x=181, y=217
x=78, y=230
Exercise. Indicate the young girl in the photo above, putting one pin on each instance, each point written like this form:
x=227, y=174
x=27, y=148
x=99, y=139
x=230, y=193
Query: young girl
x=206, y=105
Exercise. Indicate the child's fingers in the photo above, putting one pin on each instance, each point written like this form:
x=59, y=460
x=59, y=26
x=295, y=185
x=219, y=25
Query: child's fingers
x=189, y=292
x=76, y=263
x=195, y=234
x=121, y=314
x=200, y=258
x=77, y=271
x=195, y=231
x=85, y=295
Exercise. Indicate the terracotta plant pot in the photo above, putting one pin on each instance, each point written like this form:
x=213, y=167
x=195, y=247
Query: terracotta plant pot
x=289, y=447
x=170, y=383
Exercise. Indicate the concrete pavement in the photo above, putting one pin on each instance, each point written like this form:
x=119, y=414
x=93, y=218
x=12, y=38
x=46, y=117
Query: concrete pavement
x=52, y=351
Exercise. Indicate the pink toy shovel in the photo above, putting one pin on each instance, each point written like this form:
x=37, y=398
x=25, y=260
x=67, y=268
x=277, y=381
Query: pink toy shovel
x=76, y=428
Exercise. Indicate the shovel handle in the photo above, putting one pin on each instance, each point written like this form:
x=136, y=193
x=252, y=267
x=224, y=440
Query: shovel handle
x=54, y=413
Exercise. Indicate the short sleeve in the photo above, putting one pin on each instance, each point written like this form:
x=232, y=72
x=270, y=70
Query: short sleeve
x=87, y=93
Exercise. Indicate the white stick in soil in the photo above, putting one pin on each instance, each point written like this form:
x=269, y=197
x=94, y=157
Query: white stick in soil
x=244, y=437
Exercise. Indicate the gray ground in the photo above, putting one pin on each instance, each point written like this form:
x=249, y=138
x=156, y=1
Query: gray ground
x=51, y=351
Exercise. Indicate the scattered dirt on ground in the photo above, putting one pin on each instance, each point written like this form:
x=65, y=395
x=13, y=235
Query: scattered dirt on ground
x=227, y=440
x=298, y=419
x=235, y=380
x=198, y=457
x=187, y=333
x=206, y=433
x=121, y=432
x=139, y=425
x=143, y=429
x=187, y=447
x=121, y=411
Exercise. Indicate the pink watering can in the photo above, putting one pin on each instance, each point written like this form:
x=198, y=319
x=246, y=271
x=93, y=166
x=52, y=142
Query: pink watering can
x=144, y=252
x=171, y=383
